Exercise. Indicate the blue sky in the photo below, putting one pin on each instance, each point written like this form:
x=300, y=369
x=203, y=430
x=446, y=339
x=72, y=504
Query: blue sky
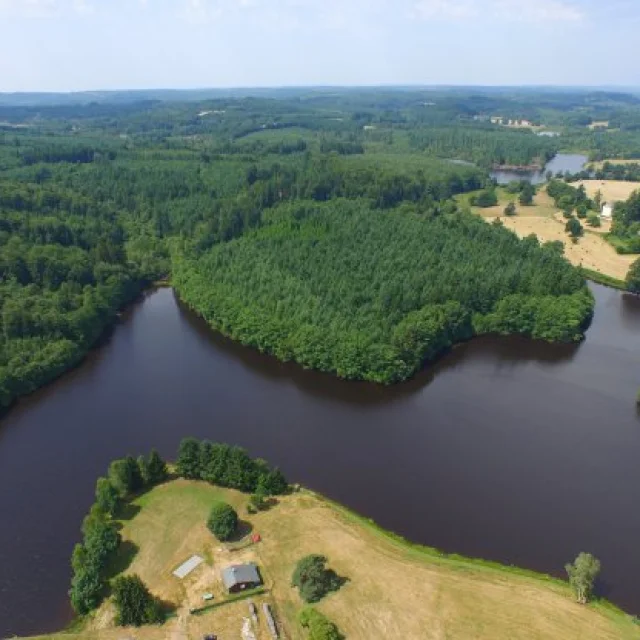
x=65, y=45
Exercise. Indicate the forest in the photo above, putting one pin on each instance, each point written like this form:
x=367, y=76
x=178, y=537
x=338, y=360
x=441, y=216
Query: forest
x=343, y=288
x=314, y=224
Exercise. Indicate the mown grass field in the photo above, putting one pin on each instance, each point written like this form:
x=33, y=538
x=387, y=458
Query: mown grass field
x=592, y=251
x=395, y=590
x=612, y=190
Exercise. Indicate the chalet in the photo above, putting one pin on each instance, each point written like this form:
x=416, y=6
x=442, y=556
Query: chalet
x=240, y=577
x=607, y=211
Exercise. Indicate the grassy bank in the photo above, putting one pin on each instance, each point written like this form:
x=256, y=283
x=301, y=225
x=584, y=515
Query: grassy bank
x=395, y=589
x=601, y=278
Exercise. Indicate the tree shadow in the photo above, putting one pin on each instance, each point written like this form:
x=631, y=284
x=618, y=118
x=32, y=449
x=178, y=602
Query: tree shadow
x=168, y=609
x=243, y=529
x=336, y=581
x=121, y=559
x=128, y=511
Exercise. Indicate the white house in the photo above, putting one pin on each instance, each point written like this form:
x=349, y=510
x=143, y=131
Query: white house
x=607, y=211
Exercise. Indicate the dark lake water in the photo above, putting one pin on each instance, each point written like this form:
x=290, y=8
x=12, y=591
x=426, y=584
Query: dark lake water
x=507, y=449
x=571, y=162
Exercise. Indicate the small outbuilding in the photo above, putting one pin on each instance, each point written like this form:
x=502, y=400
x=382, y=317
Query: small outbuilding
x=607, y=211
x=240, y=577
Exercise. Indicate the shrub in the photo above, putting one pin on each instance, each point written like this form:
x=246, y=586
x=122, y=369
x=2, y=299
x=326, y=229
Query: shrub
x=223, y=521
x=257, y=501
x=313, y=579
x=318, y=625
x=135, y=606
x=486, y=198
x=593, y=220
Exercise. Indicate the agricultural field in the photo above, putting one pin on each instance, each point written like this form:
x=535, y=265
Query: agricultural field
x=394, y=589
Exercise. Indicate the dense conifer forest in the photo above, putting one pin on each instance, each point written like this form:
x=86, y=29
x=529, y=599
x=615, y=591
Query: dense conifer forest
x=317, y=225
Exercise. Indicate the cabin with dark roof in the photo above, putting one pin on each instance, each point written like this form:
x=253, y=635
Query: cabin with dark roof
x=240, y=577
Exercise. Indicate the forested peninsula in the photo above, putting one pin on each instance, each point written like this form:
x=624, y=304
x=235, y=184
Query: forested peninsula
x=372, y=295
x=319, y=227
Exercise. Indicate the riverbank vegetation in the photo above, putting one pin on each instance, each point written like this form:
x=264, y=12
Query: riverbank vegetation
x=97, y=200
x=395, y=589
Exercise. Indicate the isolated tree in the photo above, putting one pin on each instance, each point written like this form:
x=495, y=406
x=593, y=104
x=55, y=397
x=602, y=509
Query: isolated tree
x=510, y=209
x=486, y=198
x=134, y=603
x=526, y=195
x=582, y=575
x=597, y=200
x=313, y=579
x=581, y=210
x=107, y=497
x=632, y=281
x=574, y=228
x=223, y=521
x=156, y=468
x=188, y=463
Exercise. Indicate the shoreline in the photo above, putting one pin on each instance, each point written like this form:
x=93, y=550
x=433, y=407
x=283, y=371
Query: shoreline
x=415, y=552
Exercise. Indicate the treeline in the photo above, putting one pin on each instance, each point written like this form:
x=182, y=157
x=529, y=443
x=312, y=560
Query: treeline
x=64, y=274
x=343, y=288
x=126, y=478
x=626, y=224
x=229, y=467
x=57, y=153
x=90, y=559
x=485, y=147
x=612, y=171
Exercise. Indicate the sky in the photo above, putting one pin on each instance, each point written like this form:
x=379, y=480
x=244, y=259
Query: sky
x=71, y=45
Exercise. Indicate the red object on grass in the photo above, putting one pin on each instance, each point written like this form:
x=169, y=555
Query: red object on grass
x=256, y=538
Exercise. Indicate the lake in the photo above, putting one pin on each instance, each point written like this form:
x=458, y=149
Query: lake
x=571, y=162
x=507, y=449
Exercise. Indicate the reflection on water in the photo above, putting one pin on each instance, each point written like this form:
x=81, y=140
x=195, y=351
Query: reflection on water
x=562, y=162
x=514, y=450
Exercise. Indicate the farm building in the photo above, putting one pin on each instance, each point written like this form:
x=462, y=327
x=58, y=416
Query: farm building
x=607, y=211
x=240, y=577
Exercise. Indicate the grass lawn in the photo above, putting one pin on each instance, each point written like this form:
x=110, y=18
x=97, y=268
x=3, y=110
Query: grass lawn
x=395, y=590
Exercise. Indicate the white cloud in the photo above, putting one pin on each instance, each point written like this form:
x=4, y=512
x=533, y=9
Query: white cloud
x=539, y=11
x=445, y=9
x=44, y=8
x=534, y=11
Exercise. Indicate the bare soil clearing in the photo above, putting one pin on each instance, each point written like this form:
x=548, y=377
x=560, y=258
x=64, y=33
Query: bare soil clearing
x=394, y=590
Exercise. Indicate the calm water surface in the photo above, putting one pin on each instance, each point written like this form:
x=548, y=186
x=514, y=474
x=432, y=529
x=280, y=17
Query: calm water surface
x=508, y=449
x=571, y=162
